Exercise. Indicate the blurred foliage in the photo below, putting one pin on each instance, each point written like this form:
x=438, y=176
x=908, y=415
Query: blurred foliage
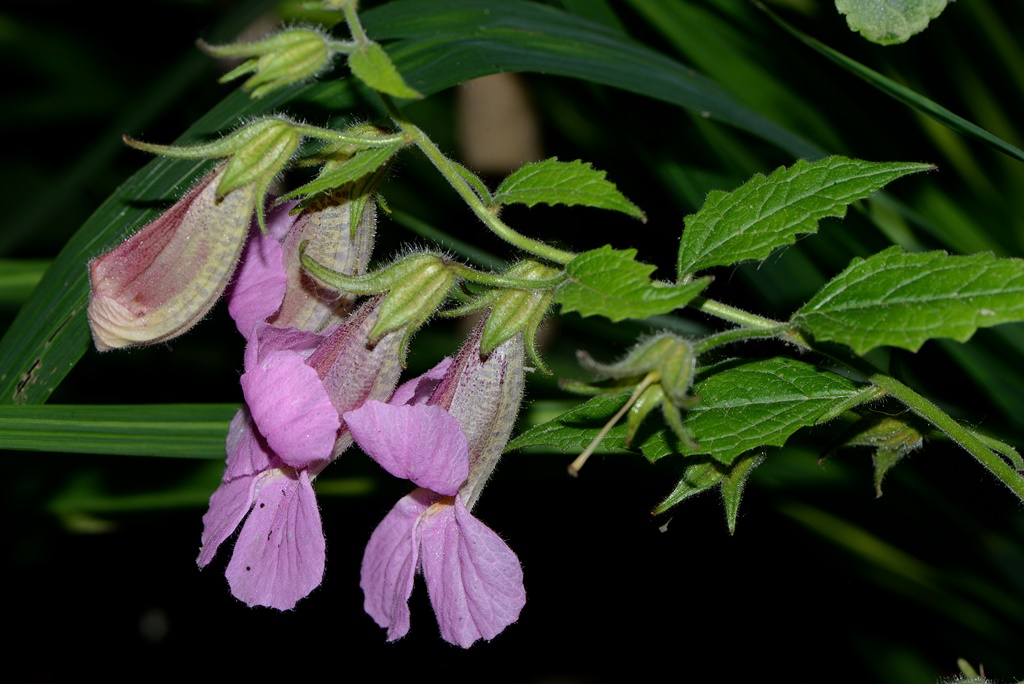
x=820, y=573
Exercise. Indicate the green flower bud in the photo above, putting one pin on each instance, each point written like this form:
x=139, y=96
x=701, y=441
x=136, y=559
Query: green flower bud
x=288, y=57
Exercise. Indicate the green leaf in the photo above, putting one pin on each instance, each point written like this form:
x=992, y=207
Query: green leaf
x=888, y=22
x=746, y=405
x=371, y=65
x=766, y=213
x=611, y=283
x=733, y=484
x=574, y=429
x=362, y=163
x=570, y=183
x=18, y=277
x=903, y=300
x=175, y=430
x=701, y=475
x=743, y=406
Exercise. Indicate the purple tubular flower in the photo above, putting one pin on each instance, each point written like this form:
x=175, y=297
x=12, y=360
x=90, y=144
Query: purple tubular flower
x=445, y=432
x=296, y=384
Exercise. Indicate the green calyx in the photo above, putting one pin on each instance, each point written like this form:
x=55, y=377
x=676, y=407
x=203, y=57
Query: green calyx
x=416, y=286
x=519, y=301
x=287, y=57
x=258, y=152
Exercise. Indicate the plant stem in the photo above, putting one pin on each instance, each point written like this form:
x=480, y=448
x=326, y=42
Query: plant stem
x=958, y=433
x=452, y=175
x=496, y=280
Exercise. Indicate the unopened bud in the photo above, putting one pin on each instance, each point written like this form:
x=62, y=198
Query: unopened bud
x=332, y=240
x=163, y=279
x=288, y=57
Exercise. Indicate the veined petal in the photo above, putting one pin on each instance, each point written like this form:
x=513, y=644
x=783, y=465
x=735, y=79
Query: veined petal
x=228, y=506
x=390, y=561
x=474, y=579
x=418, y=390
x=291, y=408
x=258, y=289
x=248, y=453
x=420, y=443
x=280, y=553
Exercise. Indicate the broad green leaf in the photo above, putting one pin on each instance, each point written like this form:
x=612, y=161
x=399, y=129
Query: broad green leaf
x=176, y=430
x=362, y=162
x=743, y=406
x=733, y=484
x=570, y=183
x=888, y=22
x=766, y=213
x=746, y=405
x=371, y=65
x=902, y=93
x=903, y=300
x=612, y=283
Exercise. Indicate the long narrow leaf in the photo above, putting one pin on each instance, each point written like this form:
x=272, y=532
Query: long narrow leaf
x=176, y=430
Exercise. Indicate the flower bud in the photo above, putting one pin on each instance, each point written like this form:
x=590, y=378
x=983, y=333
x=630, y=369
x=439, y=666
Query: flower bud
x=326, y=227
x=483, y=394
x=288, y=57
x=352, y=371
x=163, y=279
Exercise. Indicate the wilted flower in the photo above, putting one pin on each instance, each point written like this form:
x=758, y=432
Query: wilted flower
x=445, y=433
x=163, y=279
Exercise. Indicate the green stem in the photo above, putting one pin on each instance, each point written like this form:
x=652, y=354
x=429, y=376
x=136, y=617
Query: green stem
x=455, y=179
x=495, y=280
x=736, y=335
x=958, y=433
x=348, y=138
x=354, y=25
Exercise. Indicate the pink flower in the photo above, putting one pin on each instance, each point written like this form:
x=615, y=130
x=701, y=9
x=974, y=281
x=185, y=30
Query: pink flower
x=296, y=385
x=445, y=432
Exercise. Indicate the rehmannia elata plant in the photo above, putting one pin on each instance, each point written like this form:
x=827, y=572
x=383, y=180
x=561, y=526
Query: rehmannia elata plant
x=284, y=219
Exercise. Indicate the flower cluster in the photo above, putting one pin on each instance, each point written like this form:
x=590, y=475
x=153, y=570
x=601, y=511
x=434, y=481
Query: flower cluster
x=319, y=376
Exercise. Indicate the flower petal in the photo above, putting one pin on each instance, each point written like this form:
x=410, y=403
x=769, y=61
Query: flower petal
x=389, y=564
x=259, y=285
x=280, y=553
x=248, y=453
x=417, y=390
x=228, y=506
x=291, y=408
x=474, y=579
x=416, y=442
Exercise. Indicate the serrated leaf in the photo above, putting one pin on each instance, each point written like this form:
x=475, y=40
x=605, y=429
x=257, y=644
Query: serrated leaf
x=902, y=300
x=888, y=22
x=611, y=283
x=362, y=163
x=766, y=213
x=743, y=406
x=570, y=183
x=734, y=483
x=371, y=65
x=746, y=405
